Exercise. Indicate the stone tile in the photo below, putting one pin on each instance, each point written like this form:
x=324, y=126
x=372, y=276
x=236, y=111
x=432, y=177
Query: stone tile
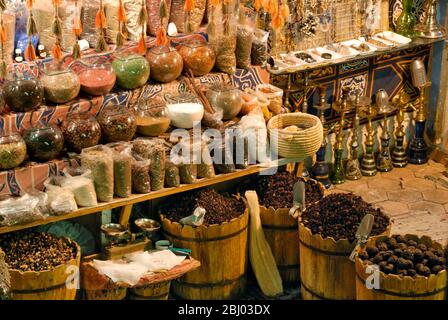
x=431, y=207
x=374, y=196
x=393, y=208
x=431, y=168
x=405, y=196
x=436, y=196
x=385, y=184
x=399, y=174
x=418, y=184
x=358, y=187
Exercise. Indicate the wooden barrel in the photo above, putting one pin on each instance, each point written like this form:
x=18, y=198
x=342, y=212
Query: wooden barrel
x=48, y=284
x=112, y=294
x=280, y=230
x=157, y=291
x=326, y=271
x=394, y=287
x=222, y=251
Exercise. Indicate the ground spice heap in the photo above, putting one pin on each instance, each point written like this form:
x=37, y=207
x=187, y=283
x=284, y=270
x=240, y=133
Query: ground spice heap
x=277, y=190
x=339, y=215
x=404, y=257
x=219, y=208
x=31, y=251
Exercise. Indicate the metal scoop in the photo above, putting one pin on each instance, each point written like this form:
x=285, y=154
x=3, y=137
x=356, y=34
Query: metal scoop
x=363, y=233
x=299, y=199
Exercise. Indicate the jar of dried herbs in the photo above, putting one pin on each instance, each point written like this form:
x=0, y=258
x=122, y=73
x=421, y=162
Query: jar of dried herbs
x=97, y=79
x=165, y=63
x=44, y=142
x=12, y=151
x=117, y=123
x=198, y=57
x=152, y=117
x=81, y=130
x=226, y=98
x=132, y=70
x=61, y=85
x=22, y=93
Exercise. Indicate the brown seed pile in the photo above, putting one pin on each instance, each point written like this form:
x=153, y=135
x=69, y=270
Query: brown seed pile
x=339, y=215
x=404, y=257
x=31, y=251
x=277, y=190
x=219, y=208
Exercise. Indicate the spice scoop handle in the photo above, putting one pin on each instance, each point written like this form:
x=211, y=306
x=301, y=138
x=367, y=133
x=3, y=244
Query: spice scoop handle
x=362, y=234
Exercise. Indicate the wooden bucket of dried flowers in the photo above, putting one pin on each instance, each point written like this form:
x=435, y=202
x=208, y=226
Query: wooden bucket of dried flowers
x=395, y=287
x=59, y=283
x=326, y=271
x=280, y=230
x=221, y=249
x=156, y=291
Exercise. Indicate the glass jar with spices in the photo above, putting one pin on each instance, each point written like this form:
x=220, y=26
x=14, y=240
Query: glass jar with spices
x=185, y=110
x=61, y=84
x=22, y=92
x=165, y=63
x=81, y=130
x=118, y=123
x=12, y=151
x=152, y=117
x=198, y=57
x=44, y=141
x=226, y=98
x=132, y=70
x=97, y=79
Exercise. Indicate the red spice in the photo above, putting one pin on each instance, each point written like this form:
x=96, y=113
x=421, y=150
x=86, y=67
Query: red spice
x=97, y=82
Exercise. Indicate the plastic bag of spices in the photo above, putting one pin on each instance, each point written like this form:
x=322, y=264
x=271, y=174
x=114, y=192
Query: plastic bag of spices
x=60, y=200
x=19, y=210
x=80, y=182
x=141, y=180
x=100, y=161
x=121, y=153
x=172, y=177
x=205, y=167
x=259, y=53
x=244, y=36
x=88, y=14
x=154, y=150
x=153, y=8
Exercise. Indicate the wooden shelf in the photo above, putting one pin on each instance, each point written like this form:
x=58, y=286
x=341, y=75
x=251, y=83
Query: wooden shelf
x=123, y=202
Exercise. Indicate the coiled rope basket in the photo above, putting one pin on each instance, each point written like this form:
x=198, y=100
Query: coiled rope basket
x=300, y=144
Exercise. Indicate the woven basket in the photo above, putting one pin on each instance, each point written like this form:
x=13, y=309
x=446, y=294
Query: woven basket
x=300, y=144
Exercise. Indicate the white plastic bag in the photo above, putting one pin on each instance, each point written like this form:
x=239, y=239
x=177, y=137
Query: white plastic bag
x=79, y=181
x=196, y=219
x=254, y=129
x=60, y=200
x=20, y=210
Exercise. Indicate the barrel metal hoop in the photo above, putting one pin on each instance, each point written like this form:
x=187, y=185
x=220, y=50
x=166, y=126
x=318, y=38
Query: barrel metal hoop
x=281, y=228
x=210, y=285
x=404, y=295
x=324, y=252
x=30, y=291
x=205, y=240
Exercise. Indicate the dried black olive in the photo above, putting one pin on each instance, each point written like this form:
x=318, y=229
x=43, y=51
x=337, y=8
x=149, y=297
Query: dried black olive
x=393, y=260
x=363, y=255
x=392, y=243
x=436, y=269
x=412, y=243
x=433, y=261
x=383, y=247
x=400, y=239
x=372, y=251
x=398, y=252
x=408, y=255
x=422, y=247
x=402, y=272
x=402, y=246
x=418, y=255
x=412, y=272
x=422, y=270
x=378, y=258
x=388, y=269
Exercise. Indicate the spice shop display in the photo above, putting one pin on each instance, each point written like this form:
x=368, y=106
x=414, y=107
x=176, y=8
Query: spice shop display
x=117, y=123
x=274, y=96
x=60, y=85
x=184, y=110
x=12, y=151
x=22, y=92
x=198, y=57
x=165, y=63
x=97, y=79
x=152, y=117
x=81, y=130
x=132, y=70
x=44, y=141
x=226, y=98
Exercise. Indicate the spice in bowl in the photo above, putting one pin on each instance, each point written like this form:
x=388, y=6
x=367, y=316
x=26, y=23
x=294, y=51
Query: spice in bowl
x=165, y=63
x=152, y=117
x=61, y=86
x=81, y=130
x=97, y=80
x=22, y=93
x=44, y=142
x=117, y=124
x=198, y=57
x=12, y=151
x=132, y=71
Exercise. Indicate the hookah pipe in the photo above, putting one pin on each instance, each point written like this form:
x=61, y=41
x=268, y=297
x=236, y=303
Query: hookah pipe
x=353, y=170
x=384, y=160
x=368, y=165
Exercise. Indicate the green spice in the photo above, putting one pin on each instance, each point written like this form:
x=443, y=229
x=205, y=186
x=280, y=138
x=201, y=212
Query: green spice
x=132, y=71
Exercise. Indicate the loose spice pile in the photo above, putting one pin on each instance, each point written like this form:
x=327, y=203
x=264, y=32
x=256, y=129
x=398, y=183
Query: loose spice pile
x=31, y=251
x=277, y=190
x=405, y=257
x=218, y=208
x=339, y=215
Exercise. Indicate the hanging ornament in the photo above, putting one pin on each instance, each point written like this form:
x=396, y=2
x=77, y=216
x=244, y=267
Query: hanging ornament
x=56, y=51
x=161, y=37
x=142, y=20
x=121, y=38
x=77, y=29
x=189, y=6
x=101, y=24
x=30, y=51
x=258, y=4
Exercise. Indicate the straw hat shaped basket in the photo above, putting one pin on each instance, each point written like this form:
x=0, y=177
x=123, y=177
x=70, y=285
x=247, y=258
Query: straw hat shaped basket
x=296, y=144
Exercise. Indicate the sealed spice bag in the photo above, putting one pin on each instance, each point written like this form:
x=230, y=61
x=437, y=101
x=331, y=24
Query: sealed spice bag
x=222, y=35
x=80, y=182
x=19, y=210
x=244, y=36
x=172, y=177
x=122, y=168
x=259, y=54
x=133, y=8
x=111, y=11
x=154, y=22
x=60, y=200
x=205, y=167
x=141, y=181
x=99, y=160
x=154, y=150
x=88, y=14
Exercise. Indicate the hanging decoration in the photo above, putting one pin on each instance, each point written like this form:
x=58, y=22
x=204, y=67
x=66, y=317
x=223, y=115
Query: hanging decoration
x=30, y=51
x=189, y=6
x=3, y=39
x=161, y=37
x=121, y=37
x=77, y=29
x=56, y=51
x=101, y=24
x=142, y=20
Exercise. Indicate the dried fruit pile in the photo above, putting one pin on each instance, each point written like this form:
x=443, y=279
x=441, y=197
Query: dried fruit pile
x=31, y=251
x=219, y=208
x=405, y=257
x=277, y=190
x=339, y=215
